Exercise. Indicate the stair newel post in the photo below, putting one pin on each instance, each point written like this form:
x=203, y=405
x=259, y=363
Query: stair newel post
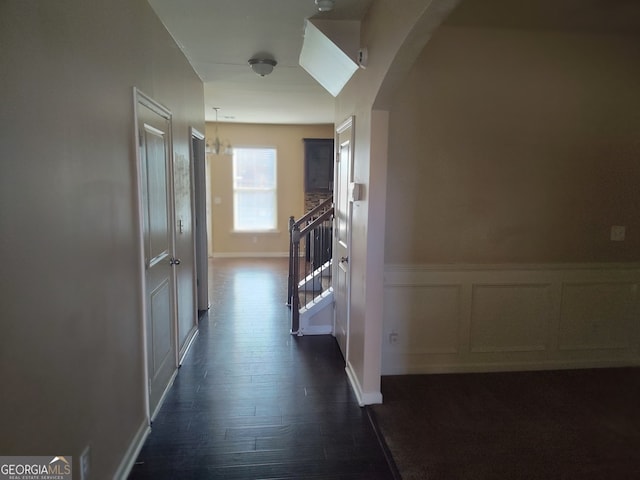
x=295, y=299
x=292, y=222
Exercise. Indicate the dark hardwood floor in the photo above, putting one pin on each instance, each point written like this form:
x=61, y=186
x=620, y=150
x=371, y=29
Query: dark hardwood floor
x=253, y=402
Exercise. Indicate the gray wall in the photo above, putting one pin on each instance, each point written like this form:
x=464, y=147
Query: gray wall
x=71, y=359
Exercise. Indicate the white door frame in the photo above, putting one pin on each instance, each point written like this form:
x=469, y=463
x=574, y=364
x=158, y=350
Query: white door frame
x=143, y=99
x=199, y=215
x=349, y=123
x=194, y=134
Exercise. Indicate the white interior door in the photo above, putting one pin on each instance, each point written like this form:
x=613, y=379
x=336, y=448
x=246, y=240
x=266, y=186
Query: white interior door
x=342, y=234
x=155, y=169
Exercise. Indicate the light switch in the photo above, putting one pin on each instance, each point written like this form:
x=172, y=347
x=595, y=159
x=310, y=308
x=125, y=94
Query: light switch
x=618, y=233
x=217, y=200
x=355, y=192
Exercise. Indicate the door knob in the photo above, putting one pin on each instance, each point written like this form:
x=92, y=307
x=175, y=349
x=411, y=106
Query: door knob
x=174, y=261
x=344, y=259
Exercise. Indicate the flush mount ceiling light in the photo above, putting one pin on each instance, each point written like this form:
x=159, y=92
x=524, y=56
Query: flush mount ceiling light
x=324, y=5
x=262, y=66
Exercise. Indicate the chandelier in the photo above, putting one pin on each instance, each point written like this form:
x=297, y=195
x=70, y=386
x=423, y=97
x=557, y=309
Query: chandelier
x=215, y=145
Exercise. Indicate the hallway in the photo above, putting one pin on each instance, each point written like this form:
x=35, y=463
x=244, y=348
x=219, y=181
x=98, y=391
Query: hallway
x=251, y=401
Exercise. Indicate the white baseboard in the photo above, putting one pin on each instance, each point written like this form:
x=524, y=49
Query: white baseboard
x=364, y=398
x=433, y=368
x=138, y=440
x=185, y=350
x=315, y=330
x=250, y=255
x=129, y=459
x=164, y=394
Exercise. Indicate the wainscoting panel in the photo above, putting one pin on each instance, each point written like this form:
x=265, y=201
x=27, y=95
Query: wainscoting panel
x=510, y=318
x=430, y=315
x=502, y=317
x=598, y=316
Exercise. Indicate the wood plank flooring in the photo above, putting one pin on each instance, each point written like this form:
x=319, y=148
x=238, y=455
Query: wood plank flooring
x=253, y=402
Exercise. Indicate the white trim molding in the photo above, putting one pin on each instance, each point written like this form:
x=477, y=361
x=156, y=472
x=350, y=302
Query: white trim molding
x=187, y=344
x=364, y=398
x=250, y=255
x=126, y=465
x=471, y=318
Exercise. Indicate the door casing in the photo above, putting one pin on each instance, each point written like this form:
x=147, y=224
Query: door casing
x=200, y=219
x=142, y=102
x=342, y=233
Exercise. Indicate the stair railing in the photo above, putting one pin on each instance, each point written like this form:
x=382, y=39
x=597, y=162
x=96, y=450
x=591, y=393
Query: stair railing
x=315, y=229
x=297, y=224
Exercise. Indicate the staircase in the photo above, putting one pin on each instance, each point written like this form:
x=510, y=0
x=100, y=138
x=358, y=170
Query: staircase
x=310, y=295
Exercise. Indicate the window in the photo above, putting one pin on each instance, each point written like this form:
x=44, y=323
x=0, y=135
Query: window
x=254, y=189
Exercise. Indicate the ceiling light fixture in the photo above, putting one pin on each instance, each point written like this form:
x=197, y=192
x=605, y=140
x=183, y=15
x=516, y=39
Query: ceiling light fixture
x=262, y=66
x=325, y=5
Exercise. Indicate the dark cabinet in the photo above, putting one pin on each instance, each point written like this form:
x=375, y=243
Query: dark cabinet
x=318, y=164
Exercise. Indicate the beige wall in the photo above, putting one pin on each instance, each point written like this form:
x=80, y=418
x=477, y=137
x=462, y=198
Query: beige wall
x=71, y=357
x=287, y=139
x=395, y=38
x=512, y=152
x=512, y=146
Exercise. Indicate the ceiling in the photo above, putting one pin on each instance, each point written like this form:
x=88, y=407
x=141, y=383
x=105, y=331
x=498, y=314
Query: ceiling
x=219, y=37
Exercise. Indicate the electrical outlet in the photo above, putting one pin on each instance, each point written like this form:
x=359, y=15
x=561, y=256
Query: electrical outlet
x=393, y=338
x=618, y=233
x=85, y=463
